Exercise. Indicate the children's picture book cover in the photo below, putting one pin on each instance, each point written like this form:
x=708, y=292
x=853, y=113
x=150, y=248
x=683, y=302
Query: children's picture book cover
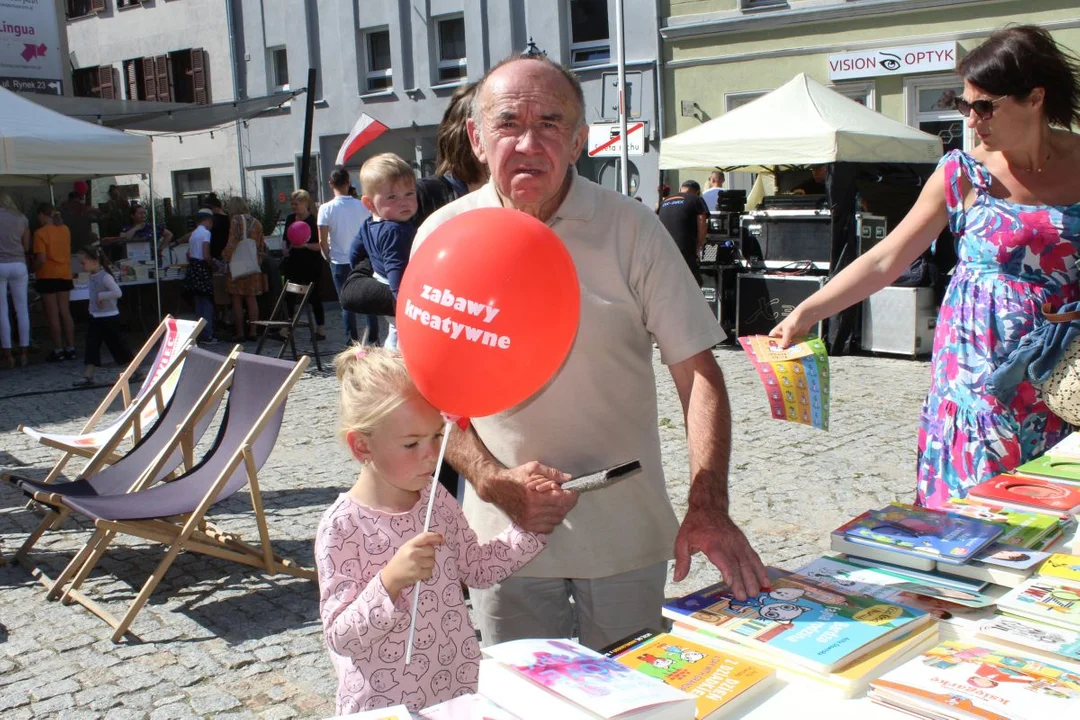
x=715, y=678
x=1023, y=529
x=1030, y=634
x=957, y=679
x=1060, y=565
x=582, y=676
x=923, y=532
x=1064, y=469
x=1032, y=492
x=466, y=707
x=926, y=578
x=845, y=576
x=1011, y=556
x=808, y=624
x=1049, y=600
x=1069, y=447
x=796, y=378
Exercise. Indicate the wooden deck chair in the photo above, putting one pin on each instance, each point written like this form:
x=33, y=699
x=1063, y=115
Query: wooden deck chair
x=287, y=327
x=163, y=447
x=175, y=337
x=174, y=513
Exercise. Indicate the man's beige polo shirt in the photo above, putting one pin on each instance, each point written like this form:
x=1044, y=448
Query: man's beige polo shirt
x=600, y=409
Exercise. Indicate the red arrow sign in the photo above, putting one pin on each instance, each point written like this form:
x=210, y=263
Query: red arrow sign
x=617, y=138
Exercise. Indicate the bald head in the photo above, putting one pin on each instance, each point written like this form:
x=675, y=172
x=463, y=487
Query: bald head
x=538, y=69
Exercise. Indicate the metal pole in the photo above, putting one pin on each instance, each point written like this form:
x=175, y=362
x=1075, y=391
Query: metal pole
x=309, y=121
x=620, y=52
x=154, y=249
x=236, y=95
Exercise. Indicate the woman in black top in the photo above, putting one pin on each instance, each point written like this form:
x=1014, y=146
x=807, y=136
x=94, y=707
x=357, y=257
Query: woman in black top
x=304, y=264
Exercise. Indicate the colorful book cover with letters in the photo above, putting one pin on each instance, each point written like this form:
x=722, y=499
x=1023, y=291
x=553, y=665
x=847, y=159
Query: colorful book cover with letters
x=582, y=676
x=714, y=678
x=1031, y=634
x=1024, y=529
x=925, y=532
x=1060, y=565
x=796, y=379
x=968, y=680
x=1047, y=600
x=810, y=624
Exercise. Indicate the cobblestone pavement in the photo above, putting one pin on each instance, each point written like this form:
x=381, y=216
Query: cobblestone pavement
x=219, y=640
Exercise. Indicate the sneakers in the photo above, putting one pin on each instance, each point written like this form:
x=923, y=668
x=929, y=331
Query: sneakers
x=83, y=382
x=70, y=354
x=56, y=356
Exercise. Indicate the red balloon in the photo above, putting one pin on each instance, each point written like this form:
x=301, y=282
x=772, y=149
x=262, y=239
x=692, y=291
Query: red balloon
x=487, y=311
x=81, y=187
x=298, y=233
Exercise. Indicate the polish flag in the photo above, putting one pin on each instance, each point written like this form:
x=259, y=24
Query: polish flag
x=364, y=131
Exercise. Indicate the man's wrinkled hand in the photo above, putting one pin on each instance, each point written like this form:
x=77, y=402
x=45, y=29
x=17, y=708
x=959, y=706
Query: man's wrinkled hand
x=531, y=495
x=713, y=532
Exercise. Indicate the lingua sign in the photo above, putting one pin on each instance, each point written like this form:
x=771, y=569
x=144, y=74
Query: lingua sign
x=30, y=46
x=938, y=57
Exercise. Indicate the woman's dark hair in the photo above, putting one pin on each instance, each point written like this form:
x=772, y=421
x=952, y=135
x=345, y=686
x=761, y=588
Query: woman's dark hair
x=452, y=147
x=97, y=253
x=45, y=209
x=1018, y=59
x=213, y=201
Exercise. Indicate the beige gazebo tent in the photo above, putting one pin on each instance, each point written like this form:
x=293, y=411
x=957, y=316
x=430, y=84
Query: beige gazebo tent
x=801, y=123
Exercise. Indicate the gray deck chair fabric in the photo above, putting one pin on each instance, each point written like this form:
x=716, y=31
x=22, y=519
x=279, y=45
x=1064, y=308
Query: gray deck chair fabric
x=255, y=381
x=200, y=367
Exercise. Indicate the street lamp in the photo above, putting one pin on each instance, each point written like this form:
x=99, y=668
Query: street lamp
x=531, y=50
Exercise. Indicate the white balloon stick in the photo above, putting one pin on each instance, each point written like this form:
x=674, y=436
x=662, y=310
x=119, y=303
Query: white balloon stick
x=427, y=524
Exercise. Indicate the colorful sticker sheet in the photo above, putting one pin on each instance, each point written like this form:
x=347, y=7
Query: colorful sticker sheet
x=796, y=378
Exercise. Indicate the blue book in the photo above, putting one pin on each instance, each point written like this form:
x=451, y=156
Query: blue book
x=924, y=533
x=797, y=621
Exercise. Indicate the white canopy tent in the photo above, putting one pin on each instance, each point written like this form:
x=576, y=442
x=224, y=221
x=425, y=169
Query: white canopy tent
x=800, y=123
x=41, y=147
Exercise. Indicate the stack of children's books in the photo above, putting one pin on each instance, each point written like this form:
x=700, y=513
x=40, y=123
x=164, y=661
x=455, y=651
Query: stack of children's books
x=962, y=539
x=960, y=680
x=806, y=629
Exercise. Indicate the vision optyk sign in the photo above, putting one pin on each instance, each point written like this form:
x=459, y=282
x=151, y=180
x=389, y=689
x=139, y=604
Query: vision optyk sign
x=937, y=57
x=487, y=311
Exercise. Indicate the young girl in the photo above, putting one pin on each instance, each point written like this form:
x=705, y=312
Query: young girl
x=52, y=267
x=371, y=550
x=104, y=315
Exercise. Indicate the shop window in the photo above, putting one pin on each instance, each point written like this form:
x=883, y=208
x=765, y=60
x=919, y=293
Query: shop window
x=96, y=82
x=451, y=39
x=860, y=92
x=590, y=42
x=177, y=77
x=190, y=188
x=378, y=69
x=279, y=68
x=930, y=110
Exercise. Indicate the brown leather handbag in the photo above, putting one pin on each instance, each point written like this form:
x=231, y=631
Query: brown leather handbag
x=1061, y=391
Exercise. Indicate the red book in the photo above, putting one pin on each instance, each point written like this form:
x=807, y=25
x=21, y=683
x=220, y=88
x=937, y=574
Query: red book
x=1028, y=493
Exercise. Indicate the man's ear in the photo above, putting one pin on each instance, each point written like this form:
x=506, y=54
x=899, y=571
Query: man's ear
x=358, y=445
x=475, y=140
x=581, y=136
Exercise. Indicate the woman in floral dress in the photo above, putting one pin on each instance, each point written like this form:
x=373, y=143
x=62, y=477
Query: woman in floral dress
x=1013, y=205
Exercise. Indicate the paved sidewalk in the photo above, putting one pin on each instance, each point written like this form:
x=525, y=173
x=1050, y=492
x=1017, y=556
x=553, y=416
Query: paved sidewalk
x=218, y=640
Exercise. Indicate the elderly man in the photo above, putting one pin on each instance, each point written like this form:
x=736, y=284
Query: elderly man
x=609, y=549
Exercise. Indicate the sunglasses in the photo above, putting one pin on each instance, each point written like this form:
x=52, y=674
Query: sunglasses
x=984, y=109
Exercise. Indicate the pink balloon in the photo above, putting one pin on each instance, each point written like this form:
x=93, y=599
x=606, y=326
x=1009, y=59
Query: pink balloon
x=81, y=188
x=298, y=233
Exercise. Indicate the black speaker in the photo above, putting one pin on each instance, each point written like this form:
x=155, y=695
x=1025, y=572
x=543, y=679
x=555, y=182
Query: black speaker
x=764, y=300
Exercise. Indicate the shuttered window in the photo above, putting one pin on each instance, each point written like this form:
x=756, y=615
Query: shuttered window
x=180, y=76
x=98, y=82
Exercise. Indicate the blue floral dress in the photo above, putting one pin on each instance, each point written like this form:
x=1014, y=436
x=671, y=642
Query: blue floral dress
x=1012, y=259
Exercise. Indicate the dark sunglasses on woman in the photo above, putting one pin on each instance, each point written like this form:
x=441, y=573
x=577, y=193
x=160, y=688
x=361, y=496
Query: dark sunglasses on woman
x=984, y=109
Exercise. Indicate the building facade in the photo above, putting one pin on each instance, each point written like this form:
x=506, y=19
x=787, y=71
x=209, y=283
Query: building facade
x=398, y=62
x=895, y=56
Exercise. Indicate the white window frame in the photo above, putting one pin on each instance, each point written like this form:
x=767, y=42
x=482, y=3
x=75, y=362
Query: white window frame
x=864, y=89
x=271, y=54
x=187, y=192
x=369, y=73
x=587, y=45
x=912, y=116
x=461, y=63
